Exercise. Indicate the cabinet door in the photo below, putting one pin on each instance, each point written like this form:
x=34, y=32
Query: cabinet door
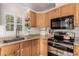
x=35, y=47
x=26, y=51
x=43, y=46
x=76, y=18
x=41, y=22
x=10, y=50
x=33, y=19
x=76, y=50
x=25, y=48
x=47, y=19
x=54, y=13
x=67, y=10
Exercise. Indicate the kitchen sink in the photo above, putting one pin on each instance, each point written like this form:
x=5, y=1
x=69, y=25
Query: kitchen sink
x=12, y=40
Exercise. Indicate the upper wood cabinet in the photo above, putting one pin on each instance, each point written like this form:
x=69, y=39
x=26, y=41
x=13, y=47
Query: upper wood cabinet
x=25, y=48
x=41, y=20
x=47, y=20
x=33, y=19
x=51, y=15
x=62, y=11
x=10, y=50
x=68, y=9
x=76, y=15
x=54, y=13
x=35, y=47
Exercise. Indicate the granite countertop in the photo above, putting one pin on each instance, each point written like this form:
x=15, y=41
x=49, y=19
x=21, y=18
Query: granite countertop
x=26, y=38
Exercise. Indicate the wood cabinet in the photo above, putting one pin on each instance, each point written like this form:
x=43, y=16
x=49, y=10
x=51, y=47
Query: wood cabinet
x=68, y=9
x=33, y=19
x=54, y=13
x=20, y=49
x=35, y=47
x=10, y=50
x=51, y=15
x=43, y=46
x=76, y=15
x=25, y=48
x=48, y=19
x=76, y=50
x=41, y=20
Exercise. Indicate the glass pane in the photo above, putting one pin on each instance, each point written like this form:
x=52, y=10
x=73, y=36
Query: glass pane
x=9, y=27
x=19, y=27
x=9, y=19
x=9, y=23
x=19, y=20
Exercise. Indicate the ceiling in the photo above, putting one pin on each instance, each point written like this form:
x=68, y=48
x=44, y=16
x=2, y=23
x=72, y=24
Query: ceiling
x=39, y=6
x=42, y=6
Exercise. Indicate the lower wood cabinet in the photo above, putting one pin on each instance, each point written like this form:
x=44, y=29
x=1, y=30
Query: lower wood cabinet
x=10, y=50
x=76, y=50
x=25, y=48
x=43, y=46
x=35, y=47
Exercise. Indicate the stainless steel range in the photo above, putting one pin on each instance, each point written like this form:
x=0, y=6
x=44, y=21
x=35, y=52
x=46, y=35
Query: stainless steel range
x=60, y=45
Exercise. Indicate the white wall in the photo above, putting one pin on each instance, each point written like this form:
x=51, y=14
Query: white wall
x=60, y=4
x=0, y=14
x=14, y=9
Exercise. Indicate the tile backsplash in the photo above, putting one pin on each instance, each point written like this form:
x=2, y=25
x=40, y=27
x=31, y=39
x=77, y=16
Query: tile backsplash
x=75, y=31
x=34, y=31
x=44, y=31
x=1, y=31
x=41, y=31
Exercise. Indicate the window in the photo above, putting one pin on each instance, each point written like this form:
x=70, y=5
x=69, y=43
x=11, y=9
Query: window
x=9, y=23
x=19, y=23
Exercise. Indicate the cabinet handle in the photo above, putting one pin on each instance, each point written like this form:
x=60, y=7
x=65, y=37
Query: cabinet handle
x=18, y=51
x=15, y=52
x=22, y=52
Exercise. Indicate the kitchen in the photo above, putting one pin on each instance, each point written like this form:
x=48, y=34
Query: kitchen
x=35, y=31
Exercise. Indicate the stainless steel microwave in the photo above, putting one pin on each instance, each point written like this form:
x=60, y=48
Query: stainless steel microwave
x=66, y=22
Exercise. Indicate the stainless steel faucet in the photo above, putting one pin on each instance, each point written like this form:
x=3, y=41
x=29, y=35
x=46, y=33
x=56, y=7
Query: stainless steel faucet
x=17, y=33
